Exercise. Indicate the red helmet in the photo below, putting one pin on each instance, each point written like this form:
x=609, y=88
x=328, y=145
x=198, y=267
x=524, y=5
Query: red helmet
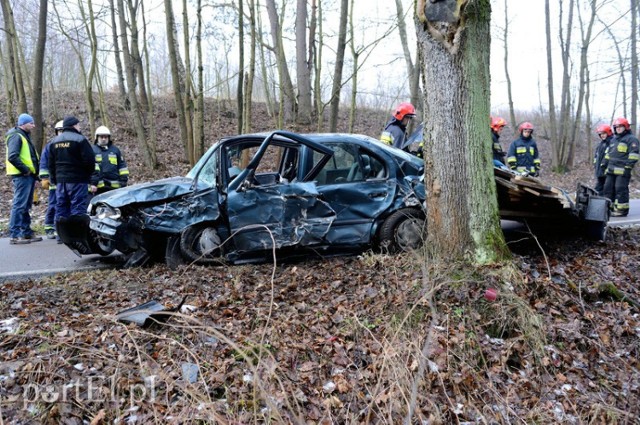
x=404, y=109
x=604, y=128
x=525, y=126
x=497, y=123
x=621, y=122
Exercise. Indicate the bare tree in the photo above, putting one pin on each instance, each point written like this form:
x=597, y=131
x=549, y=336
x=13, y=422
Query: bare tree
x=250, y=77
x=38, y=70
x=116, y=50
x=303, y=67
x=286, y=92
x=14, y=69
x=337, y=72
x=148, y=150
x=178, y=78
x=505, y=43
x=634, y=64
x=454, y=38
x=240, y=87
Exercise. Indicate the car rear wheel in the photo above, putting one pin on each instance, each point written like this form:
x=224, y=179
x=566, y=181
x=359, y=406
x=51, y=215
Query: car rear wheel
x=404, y=230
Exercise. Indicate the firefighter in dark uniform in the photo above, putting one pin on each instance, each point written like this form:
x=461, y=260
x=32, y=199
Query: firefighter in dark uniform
x=70, y=166
x=619, y=160
x=497, y=124
x=605, y=134
x=395, y=132
x=111, y=169
x=523, y=155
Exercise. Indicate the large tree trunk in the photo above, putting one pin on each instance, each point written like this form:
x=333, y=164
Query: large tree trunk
x=36, y=135
x=337, y=73
x=462, y=209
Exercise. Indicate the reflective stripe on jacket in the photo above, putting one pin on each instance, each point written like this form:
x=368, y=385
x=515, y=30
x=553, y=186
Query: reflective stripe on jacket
x=622, y=154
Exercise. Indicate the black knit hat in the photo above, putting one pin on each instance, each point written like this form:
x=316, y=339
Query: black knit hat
x=70, y=121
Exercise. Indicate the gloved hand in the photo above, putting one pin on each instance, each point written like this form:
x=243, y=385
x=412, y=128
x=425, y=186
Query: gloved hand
x=45, y=184
x=93, y=189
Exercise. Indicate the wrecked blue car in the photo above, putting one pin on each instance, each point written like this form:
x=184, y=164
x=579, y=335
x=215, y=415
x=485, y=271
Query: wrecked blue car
x=251, y=194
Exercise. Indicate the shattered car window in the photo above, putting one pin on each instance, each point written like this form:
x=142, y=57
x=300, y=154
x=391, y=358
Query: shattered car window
x=350, y=164
x=206, y=168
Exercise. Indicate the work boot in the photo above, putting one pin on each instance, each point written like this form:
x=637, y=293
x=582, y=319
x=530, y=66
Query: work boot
x=50, y=233
x=619, y=213
x=33, y=238
x=19, y=241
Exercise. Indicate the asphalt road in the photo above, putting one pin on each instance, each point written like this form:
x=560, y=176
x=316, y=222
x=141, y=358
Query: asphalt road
x=18, y=262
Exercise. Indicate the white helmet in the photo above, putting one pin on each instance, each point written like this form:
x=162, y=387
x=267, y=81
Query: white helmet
x=102, y=131
x=59, y=125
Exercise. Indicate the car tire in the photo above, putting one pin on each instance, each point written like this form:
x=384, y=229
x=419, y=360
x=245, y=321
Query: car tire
x=173, y=254
x=404, y=230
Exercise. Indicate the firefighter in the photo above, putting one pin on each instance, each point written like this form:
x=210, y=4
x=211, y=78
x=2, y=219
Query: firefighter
x=619, y=160
x=111, y=167
x=497, y=124
x=395, y=132
x=523, y=155
x=605, y=134
x=49, y=217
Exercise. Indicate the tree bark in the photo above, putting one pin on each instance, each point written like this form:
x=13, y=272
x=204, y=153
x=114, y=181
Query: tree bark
x=240, y=86
x=462, y=209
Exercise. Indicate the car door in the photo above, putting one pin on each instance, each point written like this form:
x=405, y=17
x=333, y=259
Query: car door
x=266, y=209
x=354, y=182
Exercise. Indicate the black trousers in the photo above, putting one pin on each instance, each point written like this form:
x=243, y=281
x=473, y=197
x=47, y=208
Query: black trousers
x=616, y=188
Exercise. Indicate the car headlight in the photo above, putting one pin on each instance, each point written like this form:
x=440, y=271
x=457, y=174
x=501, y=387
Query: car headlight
x=105, y=211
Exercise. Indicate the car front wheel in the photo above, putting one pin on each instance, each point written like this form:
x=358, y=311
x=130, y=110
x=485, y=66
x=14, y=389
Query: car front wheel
x=404, y=230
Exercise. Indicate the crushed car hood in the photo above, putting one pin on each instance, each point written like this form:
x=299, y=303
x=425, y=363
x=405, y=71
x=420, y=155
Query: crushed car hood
x=158, y=190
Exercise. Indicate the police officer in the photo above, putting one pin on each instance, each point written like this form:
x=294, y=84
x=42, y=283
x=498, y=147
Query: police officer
x=111, y=169
x=619, y=160
x=605, y=134
x=71, y=163
x=523, y=155
x=395, y=132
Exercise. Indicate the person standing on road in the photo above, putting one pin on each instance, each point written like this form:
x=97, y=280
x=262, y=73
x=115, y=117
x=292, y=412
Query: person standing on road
x=49, y=217
x=619, y=160
x=395, y=132
x=497, y=124
x=71, y=163
x=22, y=165
x=523, y=155
x=605, y=134
x=111, y=168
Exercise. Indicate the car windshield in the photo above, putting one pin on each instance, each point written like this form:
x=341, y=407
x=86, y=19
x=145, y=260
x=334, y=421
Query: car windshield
x=206, y=167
